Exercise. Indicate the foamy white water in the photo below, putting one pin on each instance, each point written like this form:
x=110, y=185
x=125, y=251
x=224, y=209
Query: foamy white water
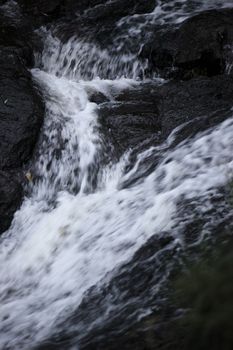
x=68, y=235
x=77, y=60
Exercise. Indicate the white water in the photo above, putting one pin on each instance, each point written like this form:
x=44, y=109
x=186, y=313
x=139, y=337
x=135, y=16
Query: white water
x=77, y=60
x=170, y=11
x=167, y=11
x=68, y=235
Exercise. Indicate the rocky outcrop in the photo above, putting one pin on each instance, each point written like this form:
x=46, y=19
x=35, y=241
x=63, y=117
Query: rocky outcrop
x=199, y=46
x=200, y=103
x=10, y=198
x=133, y=118
x=94, y=8
x=146, y=115
x=21, y=114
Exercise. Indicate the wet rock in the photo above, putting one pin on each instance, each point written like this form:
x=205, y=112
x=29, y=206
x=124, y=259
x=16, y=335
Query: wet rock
x=201, y=103
x=97, y=97
x=133, y=118
x=96, y=21
x=145, y=116
x=21, y=116
x=21, y=112
x=10, y=198
x=196, y=47
x=94, y=10
x=116, y=9
x=42, y=6
x=19, y=45
x=41, y=12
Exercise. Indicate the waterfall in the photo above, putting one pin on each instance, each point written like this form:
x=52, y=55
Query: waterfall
x=80, y=221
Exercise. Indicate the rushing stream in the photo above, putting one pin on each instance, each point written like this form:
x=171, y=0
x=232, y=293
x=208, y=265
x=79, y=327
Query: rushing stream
x=80, y=221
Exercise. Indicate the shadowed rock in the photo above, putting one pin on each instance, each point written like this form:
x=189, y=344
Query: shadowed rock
x=199, y=46
x=146, y=115
x=10, y=198
x=21, y=115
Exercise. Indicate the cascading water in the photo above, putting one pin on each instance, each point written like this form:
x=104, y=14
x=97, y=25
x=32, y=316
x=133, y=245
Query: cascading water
x=80, y=221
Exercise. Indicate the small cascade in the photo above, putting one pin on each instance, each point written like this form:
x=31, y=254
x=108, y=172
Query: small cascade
x=83, y=218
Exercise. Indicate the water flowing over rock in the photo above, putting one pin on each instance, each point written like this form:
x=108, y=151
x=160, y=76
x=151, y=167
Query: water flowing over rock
x=128, y=176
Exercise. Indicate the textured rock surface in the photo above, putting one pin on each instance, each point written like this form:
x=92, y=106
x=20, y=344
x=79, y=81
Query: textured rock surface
x=149, y=113
x=10, y=198
x=203, y=101
x=133, y=118
x=199, y=46
x=21, y=113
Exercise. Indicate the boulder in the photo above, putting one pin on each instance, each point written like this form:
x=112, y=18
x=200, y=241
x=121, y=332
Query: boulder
x=200, y=103
x=10, y=198
x=116, y=9
x=145, y=115
x=96, y=21
x=133, y=118
x=54, y=9
x=199, y=46
x=42, y=11
x=21, y=113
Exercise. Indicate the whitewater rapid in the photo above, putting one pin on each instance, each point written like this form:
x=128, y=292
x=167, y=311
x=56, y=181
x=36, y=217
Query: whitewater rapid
x=79, y=221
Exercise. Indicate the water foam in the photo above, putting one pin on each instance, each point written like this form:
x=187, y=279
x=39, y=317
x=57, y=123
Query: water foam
x=77, y=60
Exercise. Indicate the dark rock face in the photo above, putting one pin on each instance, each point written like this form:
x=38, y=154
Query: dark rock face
x=96, y=20
x=11, y=29
x=146, y=115
x=117, y=9
x=41, y=12
x=21, y=115
x=21, y=112
x=133, y=118
x=199, y=46
x=10, y=198
x=203, y=102
x=97, y=8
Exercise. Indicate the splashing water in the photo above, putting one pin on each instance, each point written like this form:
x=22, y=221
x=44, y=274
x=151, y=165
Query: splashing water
x=77, y=60
x=69, y=233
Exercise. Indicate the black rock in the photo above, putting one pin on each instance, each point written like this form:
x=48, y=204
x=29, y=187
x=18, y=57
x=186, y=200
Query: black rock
x=199, y=46
x=133, y=118
x=96, y=20
x=146, y=115
x=201, y=103
x=116, y=9
x=42, y=11
x=21, y=112
x=10, y=198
